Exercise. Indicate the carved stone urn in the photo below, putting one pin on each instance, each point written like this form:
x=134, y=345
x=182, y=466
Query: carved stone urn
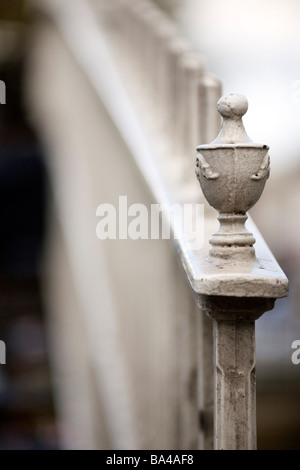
x=232, y=172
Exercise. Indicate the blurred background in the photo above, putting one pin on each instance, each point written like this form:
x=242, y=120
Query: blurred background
x=26, y=405
x=254, y=48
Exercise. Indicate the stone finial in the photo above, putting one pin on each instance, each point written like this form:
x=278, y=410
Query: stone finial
x=232, y=172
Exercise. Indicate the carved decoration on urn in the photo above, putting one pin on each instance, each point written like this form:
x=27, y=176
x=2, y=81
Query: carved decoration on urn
x=232, y=172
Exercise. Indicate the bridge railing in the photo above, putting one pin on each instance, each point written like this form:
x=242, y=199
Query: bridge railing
x=168, y=324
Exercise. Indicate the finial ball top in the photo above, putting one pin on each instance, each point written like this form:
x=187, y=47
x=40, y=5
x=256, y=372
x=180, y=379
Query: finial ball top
x=232, y=106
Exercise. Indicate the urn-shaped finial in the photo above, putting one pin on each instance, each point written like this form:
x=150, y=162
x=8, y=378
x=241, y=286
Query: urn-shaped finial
x=232, y=172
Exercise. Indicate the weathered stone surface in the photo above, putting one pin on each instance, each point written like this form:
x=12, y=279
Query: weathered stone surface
x=232, y=172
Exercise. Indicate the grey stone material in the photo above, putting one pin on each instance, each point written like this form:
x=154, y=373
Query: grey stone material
x=236, y=284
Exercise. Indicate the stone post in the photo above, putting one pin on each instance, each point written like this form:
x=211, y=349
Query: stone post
x=232, y=172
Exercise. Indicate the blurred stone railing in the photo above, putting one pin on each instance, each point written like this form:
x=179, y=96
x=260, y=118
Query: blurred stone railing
x=163, y=103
